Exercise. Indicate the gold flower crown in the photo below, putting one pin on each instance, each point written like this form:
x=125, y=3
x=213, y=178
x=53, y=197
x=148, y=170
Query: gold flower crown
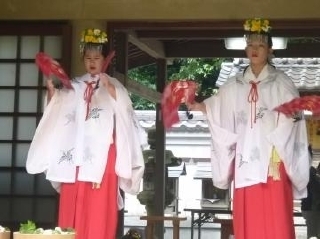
x=93, y=35
x=257, y=25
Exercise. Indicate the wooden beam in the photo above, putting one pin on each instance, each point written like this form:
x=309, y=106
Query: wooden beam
x=153, y=47
x=191, y=34
x=214, y=29
x=138, y=89
x=32, y=27
x=299, y=50
x=297, y=33
x=292, y=24
x=140, y=61
x=158, y=25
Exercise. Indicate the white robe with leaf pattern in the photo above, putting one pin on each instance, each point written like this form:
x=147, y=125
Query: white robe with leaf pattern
x=64, y=139
x=236, y=136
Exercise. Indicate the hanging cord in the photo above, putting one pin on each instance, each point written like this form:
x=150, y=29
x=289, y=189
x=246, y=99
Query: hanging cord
x=88, y=94
x=253, y=97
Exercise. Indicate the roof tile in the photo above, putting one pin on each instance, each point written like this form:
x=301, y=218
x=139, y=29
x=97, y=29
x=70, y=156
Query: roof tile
x=304, y=72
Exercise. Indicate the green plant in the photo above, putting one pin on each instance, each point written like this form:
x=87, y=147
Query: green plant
x=30, y=228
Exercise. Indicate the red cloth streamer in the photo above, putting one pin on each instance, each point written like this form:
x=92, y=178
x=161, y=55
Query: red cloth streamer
x=176, y=93
x=49, y=66
x=309, y=102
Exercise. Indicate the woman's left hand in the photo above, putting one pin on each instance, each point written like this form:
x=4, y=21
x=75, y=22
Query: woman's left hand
x=96, y=185
x=108, y=85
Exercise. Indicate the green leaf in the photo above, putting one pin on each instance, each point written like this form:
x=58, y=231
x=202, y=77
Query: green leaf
x=28, y=228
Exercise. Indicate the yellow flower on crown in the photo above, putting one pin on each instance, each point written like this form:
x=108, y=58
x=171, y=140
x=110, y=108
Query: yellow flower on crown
x=93, y=35
x=257, y=25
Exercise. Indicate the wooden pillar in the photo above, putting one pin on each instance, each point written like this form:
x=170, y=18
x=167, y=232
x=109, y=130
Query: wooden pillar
x=160, y=150
x=121, y=49
x=121, y=66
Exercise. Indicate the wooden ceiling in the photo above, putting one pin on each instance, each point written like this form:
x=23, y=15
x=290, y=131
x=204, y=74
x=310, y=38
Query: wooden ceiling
x=149, y=41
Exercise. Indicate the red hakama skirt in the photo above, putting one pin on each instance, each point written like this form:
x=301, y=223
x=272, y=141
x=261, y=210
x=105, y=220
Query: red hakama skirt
x=265, y=210
x=93, y=213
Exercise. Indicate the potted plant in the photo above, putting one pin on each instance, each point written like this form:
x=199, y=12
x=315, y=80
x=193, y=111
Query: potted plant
x=4, y=233
x=29, y=230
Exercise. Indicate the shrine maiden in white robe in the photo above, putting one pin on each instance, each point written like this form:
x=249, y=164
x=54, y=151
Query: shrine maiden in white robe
x=235, y=135
x=64, y=139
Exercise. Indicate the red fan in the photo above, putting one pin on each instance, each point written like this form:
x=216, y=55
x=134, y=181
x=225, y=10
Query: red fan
x=108, y=60
x=310, y=103
x=176, y=93
x=49, y=66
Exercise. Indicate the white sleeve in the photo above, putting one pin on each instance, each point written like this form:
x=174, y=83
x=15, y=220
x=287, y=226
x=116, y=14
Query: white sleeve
x=130, y=161
x=291, y=142
x=221, y=125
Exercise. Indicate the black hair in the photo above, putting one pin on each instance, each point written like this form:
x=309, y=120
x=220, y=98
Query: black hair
x=103, y=48
x=267, y=35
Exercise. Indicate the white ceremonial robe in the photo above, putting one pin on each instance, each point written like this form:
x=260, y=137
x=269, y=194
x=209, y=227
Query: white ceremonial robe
x=64, y=139
x=241, y=148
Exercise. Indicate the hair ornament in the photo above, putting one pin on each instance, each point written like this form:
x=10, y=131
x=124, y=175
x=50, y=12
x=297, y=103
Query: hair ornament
x=257, y=25
x=92, y=38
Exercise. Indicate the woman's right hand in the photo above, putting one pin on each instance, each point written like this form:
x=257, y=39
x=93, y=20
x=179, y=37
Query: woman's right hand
x=50, y=87
x=49, y=84
x=196, y=106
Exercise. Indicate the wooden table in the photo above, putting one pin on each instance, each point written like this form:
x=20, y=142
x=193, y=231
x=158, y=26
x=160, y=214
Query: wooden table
x=204, y=215
x=152, y=220
x=209, y=215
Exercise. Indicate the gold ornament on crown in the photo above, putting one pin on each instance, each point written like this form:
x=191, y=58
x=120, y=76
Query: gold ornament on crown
x=257, y=25
x=92, y=35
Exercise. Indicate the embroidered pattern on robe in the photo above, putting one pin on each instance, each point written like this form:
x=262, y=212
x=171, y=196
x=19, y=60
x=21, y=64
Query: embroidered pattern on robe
x=66, y=156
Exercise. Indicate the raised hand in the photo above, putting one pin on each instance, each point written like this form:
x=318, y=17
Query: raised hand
x=104, y=80
x=49, y=67
x=196, y=106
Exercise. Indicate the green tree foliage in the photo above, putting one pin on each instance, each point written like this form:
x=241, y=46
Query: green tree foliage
x=146, y=75
x=204, y=71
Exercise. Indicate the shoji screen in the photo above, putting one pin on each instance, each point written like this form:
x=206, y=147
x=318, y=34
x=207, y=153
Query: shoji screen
x=23, y=196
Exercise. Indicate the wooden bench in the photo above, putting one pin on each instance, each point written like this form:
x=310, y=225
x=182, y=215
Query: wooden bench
x=152, y=220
